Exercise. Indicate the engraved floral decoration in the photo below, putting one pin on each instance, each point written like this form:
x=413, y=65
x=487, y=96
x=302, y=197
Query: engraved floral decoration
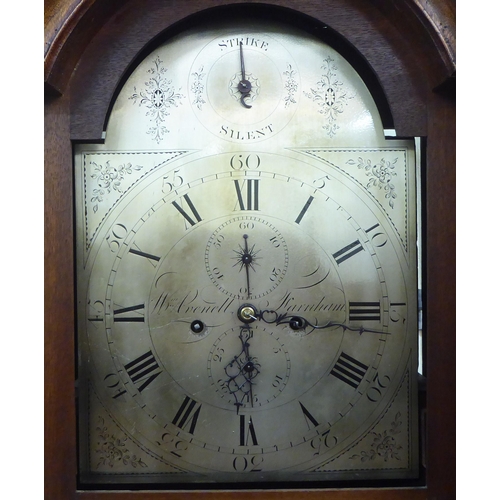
x=330, y=96
x=291, y=85
x=109, y=178
x=158, y=96
x=197, y=88
x=112, y=450
x=380, y=175
x=384, y=444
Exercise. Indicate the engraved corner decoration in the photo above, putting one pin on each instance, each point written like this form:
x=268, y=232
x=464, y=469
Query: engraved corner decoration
x=380, y=174
x=387, y=444
x=330, y=96
x=109, y=175
x=158, y=96
x=384, y=444
x=111, y=449
x=388, y=441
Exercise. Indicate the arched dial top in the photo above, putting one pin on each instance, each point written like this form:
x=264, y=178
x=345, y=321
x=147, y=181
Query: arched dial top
x=235, y=85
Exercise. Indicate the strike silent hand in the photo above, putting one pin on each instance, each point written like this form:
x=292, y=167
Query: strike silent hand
x=244, y=86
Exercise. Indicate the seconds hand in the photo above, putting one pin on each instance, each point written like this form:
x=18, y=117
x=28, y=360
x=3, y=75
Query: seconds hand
x=247, y=259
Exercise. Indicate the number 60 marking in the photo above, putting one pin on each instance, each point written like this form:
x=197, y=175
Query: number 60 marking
x=251, y=161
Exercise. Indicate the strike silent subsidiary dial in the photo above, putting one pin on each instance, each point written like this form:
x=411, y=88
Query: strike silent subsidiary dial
x=244, y=88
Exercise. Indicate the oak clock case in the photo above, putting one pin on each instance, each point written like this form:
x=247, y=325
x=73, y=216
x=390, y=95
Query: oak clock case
x=246, y=271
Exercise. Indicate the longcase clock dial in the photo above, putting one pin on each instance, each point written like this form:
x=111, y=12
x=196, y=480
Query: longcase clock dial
x=246, y=271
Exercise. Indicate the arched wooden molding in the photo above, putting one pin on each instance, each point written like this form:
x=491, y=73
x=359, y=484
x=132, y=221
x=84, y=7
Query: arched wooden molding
x=94, y=42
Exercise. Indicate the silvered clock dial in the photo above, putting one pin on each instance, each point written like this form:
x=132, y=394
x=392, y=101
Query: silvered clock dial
x=246, y=270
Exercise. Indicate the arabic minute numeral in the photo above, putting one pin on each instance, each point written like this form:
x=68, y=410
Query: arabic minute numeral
x=323, y=442
x=275, y=242
x=397, y=310
x=248, y=464
x=112, y=381
x=239, y=162
x=217, y=273
x=95, y=311
x=374, y=392
x=116, y=237
x=378, y=238
x=173, y=444
x=218, y=241
x=321, y=180
x=218, y=355
x=274, y=274
x=172, y=181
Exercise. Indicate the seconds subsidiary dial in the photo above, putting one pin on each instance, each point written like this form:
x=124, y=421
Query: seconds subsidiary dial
x=251, y=245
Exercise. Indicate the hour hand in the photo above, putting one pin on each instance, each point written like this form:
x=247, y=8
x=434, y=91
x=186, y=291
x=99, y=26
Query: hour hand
x=299, y=323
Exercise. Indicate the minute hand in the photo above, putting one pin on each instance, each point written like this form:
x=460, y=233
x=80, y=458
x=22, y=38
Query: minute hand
x=300, y=323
